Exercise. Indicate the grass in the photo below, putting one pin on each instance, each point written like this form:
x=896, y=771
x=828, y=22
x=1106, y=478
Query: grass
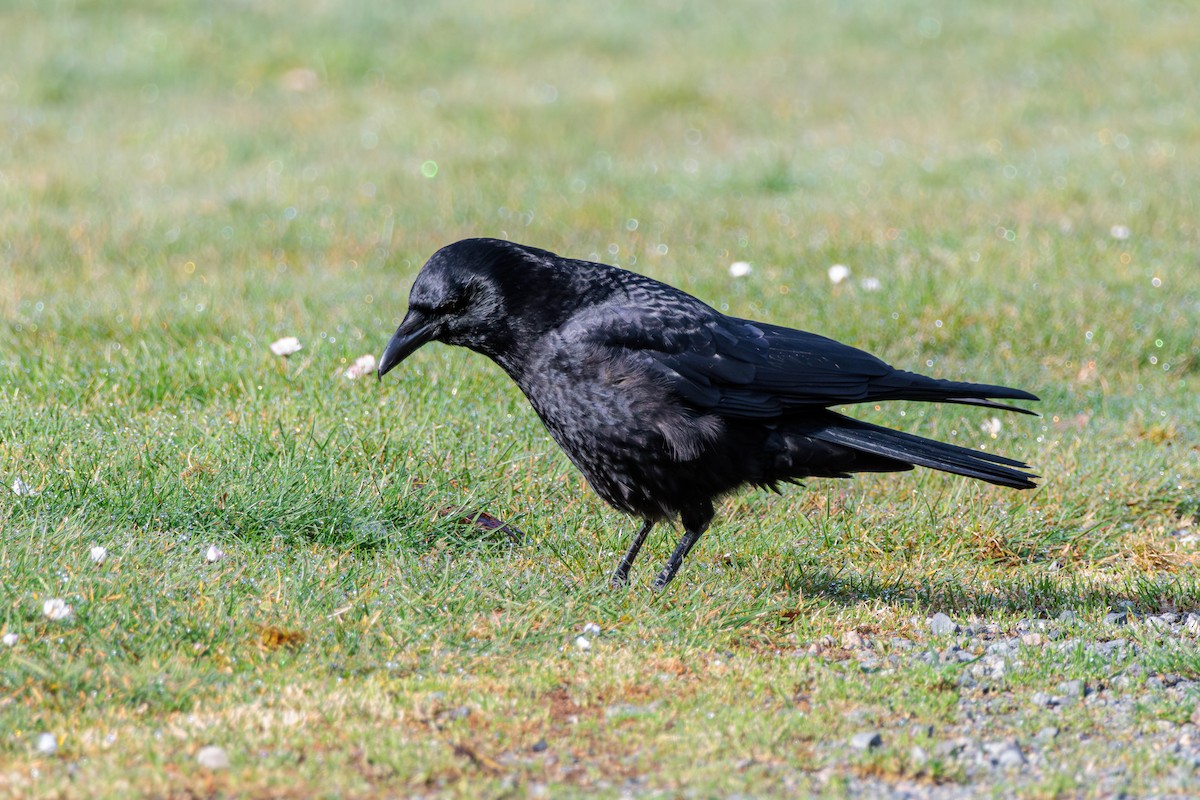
x=181, y=184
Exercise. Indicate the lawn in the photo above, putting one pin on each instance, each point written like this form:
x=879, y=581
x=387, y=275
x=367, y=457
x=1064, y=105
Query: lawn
x=293, y=572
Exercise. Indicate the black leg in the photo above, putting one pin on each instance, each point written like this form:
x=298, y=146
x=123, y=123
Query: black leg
x=686, y=543
x=621, y=576
x=695, y=523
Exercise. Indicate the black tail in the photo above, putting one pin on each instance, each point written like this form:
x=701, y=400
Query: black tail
x=909, y=449
x=902, y=385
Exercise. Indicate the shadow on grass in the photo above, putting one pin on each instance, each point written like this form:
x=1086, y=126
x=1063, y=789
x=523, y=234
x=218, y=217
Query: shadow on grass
x=1038, y=594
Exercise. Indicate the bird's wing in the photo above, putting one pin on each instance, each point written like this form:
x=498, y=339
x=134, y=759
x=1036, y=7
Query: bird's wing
x=752, y=370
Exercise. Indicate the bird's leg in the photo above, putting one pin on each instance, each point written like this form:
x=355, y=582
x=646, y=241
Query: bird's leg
x=621, y=576
x=695, y=524
x=686, y=543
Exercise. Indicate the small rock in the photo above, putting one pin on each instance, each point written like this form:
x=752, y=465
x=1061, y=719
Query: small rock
x=213, y=757
x=9, y=639
x=1047, y=733
x=1006, y=754
x=942, y=625
x=1192, y=625
x=1116, y=617
x=1072, y=689
x=952, y=747
x=98, y=554
x=1110, y=649
x=591, y=629
x=213, y=554
x=867, y=740
x=539, y=746
x=1043, y=700
x=920, y=730
x=1067, y=616
x=853, y=640
x=457, y=713
x=582, y=643
x=1032, y=640
x=47, y=744
x=918, y=756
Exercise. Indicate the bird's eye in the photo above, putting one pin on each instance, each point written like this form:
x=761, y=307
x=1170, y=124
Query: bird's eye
x=453, y=305
x=456, y=301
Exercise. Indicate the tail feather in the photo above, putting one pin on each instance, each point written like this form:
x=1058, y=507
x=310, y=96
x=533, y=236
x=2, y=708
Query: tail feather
x=902, y=385
x=910, y=449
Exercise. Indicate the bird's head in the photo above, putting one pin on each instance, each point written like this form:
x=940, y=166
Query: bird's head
x=482, y=294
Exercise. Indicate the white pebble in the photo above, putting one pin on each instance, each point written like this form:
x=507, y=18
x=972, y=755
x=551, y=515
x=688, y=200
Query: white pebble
x=213, y=757
x=867, y=740
x=942, y=625
x=9, y=639
x=98, y=554
x=740, y=269
x=871, y=284
x=992, y=427
x=591, y=629
x=582, y=643
x=22, y=489
x=286, y=346
x=47, y=744
x=1119, y=232
x=213, y=554
x=57, y=609
x=838, y=273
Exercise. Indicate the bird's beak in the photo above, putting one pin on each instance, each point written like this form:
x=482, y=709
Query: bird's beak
x=413, y=332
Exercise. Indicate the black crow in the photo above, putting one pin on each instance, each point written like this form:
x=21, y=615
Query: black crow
x=662, y=402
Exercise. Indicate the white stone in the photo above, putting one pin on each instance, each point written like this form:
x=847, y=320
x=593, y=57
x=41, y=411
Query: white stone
x=213, y=757
x=47, y=744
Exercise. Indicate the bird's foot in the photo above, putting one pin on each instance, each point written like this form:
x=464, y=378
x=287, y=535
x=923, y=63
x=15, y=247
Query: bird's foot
x=668, y=573
x=620, y=578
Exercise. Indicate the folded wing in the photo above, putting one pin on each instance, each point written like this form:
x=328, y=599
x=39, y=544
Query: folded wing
x=752, y=370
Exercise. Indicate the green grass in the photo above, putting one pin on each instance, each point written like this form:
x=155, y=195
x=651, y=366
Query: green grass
x=181, y=184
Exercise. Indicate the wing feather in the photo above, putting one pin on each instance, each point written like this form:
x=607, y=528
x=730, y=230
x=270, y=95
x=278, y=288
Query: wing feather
x=754, y=370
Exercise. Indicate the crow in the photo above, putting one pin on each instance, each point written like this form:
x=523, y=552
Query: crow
x=664, y=403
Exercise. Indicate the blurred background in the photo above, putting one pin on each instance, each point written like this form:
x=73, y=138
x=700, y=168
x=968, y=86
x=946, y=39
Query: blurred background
x=301, y=154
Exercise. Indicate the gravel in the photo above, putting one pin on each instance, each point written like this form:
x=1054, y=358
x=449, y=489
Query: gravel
x=1012, y=732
